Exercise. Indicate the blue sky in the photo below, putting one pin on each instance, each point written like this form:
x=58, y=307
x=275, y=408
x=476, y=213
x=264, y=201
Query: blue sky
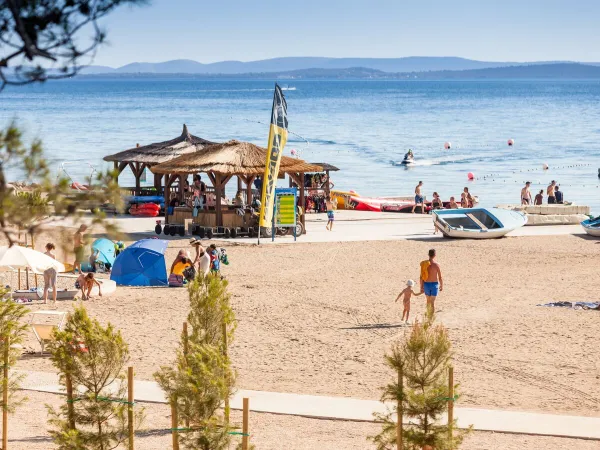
x=492, y=30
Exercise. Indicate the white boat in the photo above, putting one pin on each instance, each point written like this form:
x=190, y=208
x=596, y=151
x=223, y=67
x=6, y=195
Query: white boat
x=592, y=226
x=477, y=223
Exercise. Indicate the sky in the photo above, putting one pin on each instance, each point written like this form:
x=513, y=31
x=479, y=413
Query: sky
x=245, y=30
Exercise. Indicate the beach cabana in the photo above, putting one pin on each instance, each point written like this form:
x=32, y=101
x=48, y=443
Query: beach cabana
x=221, y=162
x=141, y=157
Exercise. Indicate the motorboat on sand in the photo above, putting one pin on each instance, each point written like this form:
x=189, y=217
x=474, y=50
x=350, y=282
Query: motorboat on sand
x=477, y=223
x=592, y=226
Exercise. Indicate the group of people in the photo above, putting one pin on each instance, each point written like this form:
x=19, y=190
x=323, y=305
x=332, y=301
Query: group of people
x=431, y=284
x=466, y=200
x=205, y=261
x=553, y=193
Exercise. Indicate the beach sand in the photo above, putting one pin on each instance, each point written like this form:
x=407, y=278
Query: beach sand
x=318, y=319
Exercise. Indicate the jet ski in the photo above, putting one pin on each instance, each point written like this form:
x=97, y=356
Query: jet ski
x=409, y=159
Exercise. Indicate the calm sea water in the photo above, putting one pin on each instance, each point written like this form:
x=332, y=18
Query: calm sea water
x=363, y=127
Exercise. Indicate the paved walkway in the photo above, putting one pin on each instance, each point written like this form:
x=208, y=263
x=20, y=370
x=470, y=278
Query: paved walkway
x=342, y=408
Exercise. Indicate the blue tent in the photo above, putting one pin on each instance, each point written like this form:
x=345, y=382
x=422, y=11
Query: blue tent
x=141, y=264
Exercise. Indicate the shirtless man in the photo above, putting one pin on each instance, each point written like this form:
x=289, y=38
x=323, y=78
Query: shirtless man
x=526, y=194
x=419, y=199
x=550, y=193
x=433, y=283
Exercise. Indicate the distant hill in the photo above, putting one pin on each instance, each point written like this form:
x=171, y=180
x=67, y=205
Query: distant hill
x=533, y=71
x=287, y=64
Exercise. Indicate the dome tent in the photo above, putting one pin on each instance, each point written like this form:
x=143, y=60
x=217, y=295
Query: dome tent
x=141, y=264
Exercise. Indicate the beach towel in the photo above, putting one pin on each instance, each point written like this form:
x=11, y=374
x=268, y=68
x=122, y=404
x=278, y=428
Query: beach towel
x=425, y=269
x=575, y=305
x=175, y=280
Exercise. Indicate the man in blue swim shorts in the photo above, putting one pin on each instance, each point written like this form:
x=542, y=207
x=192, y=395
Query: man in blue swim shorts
x=419, y=198
x=431, y=281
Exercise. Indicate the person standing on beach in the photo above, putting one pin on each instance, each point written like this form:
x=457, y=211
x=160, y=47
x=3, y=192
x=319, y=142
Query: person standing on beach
x=550, y=193
x=558, y=194
x=50, y=275
x=79, y=247
x=330, y=214
x=466, y=199
x=419, y=198
x=431, y=280
x=453, y=204
x=526, y=194
x=539, y=199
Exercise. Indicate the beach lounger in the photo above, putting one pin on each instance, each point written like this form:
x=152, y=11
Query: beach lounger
x=43, y=324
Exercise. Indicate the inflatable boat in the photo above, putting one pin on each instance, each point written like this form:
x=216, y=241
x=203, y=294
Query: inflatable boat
x=382, y=204
x=592, y=226
x=477, y=223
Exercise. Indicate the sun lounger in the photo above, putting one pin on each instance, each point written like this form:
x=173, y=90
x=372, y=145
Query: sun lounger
x=44, y=323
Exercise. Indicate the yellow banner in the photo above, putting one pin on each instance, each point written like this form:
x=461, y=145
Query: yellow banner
x=277, y=140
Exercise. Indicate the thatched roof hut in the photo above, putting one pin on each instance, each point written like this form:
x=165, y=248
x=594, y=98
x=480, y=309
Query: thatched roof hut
x=223, y=161
x=231, y=158
x=141, y=157
x=160, y=152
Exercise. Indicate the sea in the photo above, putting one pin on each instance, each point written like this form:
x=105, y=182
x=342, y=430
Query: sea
x=363, y=127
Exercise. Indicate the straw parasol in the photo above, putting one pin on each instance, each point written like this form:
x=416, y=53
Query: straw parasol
x=140, y=157
x=231, y=158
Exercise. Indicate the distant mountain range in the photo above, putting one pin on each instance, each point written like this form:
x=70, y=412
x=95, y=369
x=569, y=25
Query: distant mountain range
x=537, y=71
x=289, y=64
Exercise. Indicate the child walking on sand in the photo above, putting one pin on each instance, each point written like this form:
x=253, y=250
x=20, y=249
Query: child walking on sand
x=407, y=293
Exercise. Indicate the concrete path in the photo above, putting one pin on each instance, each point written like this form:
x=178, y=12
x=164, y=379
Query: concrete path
x=342, y=408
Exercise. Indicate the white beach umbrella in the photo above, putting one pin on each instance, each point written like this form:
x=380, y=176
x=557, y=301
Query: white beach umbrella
x=16, y=257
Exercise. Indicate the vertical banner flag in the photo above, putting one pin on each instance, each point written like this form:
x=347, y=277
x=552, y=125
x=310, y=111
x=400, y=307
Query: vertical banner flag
x=277, y=139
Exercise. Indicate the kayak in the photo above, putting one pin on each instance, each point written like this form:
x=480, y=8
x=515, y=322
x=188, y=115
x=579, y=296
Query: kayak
x=145, y=210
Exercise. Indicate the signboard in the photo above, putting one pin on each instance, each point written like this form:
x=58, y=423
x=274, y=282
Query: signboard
x=285, y=209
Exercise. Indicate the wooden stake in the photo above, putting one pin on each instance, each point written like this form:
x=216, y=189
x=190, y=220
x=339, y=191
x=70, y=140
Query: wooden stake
x=174, y=425
x=19, y=270
x=26, y=268
x=225, y=353
x=5, y=396
x=185, y=353
x=400, y=413
x=70, y=408
x=33, y=248
x=246, y=413
x=450, y=404
x=130, y=405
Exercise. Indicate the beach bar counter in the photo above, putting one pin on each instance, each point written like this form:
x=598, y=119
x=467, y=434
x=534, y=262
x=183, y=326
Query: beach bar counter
x=207, y=206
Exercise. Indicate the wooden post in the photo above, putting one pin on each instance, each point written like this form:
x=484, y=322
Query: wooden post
x=33, y=248
x=450, y=404
x=26, y=268
x=400, y=413
x=19, y=270
x=225, y=353
x=174, y=424
x=130, y=406
x=5, y=395
x=245, y=437
x=185, y=353
x=70, y=410
x=302, y=202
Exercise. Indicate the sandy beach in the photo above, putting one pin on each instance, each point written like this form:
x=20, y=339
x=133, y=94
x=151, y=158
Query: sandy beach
x=317, y=318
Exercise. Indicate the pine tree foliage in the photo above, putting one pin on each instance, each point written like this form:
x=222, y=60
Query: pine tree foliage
x=423, y=358
x=94, y=357
x=12, y=327
x=201, y=379
x=50, y=199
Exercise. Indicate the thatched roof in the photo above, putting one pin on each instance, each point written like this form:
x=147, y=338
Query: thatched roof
x=161, y=151
x=327, y=167
x=231, y=158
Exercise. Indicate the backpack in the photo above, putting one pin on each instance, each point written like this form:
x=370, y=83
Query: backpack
x=189, y=273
